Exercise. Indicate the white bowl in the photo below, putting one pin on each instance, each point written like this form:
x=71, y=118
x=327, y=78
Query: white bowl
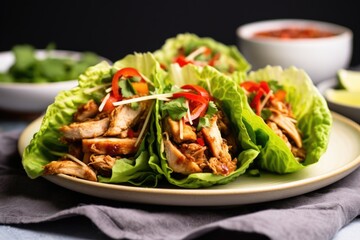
x=32, y=97
x=351, y=112
x=321, y=58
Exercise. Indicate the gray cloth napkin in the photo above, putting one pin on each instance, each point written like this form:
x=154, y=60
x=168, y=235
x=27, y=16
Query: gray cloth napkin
x=317, y=215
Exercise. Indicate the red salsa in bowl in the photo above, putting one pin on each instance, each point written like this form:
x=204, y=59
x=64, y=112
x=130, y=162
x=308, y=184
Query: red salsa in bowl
x=295, y=33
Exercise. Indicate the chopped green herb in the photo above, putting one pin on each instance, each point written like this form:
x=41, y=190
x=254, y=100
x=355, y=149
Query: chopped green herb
x=176, y=108
x=265, y=113
x=127, y=90
x=205, y=121
x=274, y=85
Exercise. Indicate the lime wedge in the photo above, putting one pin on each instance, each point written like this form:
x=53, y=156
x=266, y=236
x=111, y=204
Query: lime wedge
x=343, y=97
x=349, y=80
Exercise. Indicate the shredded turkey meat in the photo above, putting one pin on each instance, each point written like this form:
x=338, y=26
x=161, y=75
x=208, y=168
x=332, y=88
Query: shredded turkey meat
x=221, y=163
x=71, y=168
x=110, y=146
x=276, y=112
x=283, y=123
x=177, y=161
x=86, y=111
x=124, y=117
x=102, y=164
x=97, y=139
x=186, y=155
x=88, y=129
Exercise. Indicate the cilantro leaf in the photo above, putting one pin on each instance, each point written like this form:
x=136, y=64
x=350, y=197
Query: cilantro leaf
x=212, y=109
x=176, y=108
x=205, y=121
x=274, y=85
x=127, y=89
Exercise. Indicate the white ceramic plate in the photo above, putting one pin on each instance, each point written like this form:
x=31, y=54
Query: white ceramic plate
x=341, y=158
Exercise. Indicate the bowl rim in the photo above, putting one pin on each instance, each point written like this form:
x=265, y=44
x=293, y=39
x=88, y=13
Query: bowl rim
x=246, y=31
x=23, y=85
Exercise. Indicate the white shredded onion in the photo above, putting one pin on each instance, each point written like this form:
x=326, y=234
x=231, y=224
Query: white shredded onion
x=195, y=53
x=144, y=125
x=188, y=112
x=72, y=158
x=181, y=128
x=144, y=98
x=267, y=97
x=102, y=105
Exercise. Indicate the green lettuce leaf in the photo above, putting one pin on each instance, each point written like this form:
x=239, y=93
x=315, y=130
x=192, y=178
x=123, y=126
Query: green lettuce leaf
x=46, y=146
x=225, y=90
x=310, y=110
x=230, y=61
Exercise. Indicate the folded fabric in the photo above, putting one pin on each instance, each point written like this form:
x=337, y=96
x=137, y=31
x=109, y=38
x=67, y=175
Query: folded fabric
x=317, y=215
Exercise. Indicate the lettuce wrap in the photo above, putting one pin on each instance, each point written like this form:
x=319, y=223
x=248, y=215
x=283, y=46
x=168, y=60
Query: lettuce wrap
x=231, y=101
x=313, y=120
x=189, y=48
x=46, y=146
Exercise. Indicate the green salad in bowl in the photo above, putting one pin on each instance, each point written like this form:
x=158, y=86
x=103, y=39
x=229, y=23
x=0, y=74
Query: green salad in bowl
x=31, y=78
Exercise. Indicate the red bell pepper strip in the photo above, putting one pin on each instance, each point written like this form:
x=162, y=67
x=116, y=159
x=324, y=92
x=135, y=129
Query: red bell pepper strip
x=259, y=88
x=198, y=89
x=182, y=61
x=108, y=107
x=250, y=86
x=191, y=96
x=264, y=86
x=198, y=100
x=124, y=72
x=256, y=102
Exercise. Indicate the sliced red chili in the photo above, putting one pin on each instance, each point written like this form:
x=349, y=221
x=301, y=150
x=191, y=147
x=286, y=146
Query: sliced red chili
x=265, y=86
x=191, y=96
x=124, y=72
x=250, y=86
x=182, y=61
x=198, y=89
x=256, y=102
x=198, y=100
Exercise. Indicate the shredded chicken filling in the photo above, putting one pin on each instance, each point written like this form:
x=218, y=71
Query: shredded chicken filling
x=187, y=155
x=283, y=123
x=97, y=139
